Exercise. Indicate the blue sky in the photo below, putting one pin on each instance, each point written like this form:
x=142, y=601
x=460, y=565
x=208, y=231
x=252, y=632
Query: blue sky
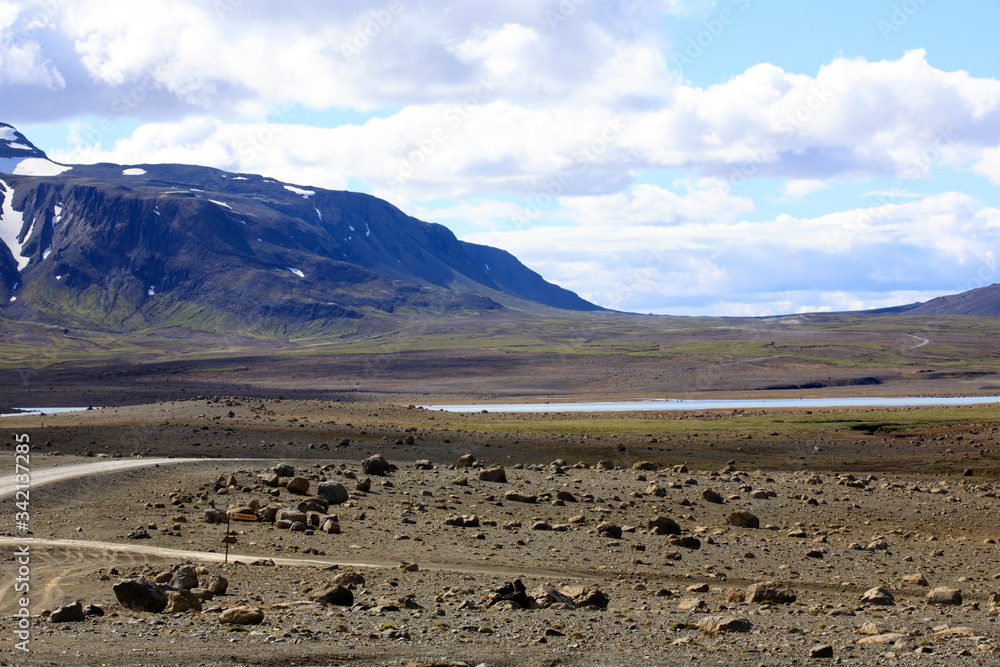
x=736, y=157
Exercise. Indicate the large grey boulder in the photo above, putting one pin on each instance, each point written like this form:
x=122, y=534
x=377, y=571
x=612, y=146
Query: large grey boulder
x=332, y=492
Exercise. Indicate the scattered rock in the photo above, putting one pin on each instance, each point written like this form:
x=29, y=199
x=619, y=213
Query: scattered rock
x=375, y=465
x=466, y=461
x=184, y=578
x=645, y=465
x=181, y=601
x=687, y=542
x=743, y=520
x=284, y=470
x=710, y=496
x=878, y=595
x=608, y=529
x=664, y=526
x=916, y=580
x=724, y=624
x=769, y=592
x=334, y=493
x=242, y=616
x=215, y=515
x=496, y=474
x=140, y=595
x=349, y=578
x=945, y=596
x=333, y=595
x=298, y=485
x=821, y=651
x=216, y=585
x=70, y=613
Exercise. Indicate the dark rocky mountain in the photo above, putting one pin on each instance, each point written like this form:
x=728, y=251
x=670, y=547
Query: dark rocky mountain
x=158, y=246
x=980, y=302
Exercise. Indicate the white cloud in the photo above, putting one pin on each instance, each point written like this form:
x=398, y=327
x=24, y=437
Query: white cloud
x=938, y=244
x=799, y=189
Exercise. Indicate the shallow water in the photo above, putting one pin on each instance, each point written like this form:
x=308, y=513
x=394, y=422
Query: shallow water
x=723, y=404
x=41, y=411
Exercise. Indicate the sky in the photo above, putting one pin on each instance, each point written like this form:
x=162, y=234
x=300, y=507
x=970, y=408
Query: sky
x=686, y=157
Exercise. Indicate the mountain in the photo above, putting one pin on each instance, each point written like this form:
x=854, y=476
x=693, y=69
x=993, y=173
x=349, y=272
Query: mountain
x=981, y=302
x=155, y=246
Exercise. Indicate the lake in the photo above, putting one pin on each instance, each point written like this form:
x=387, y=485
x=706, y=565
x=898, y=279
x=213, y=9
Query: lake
x=723, y=404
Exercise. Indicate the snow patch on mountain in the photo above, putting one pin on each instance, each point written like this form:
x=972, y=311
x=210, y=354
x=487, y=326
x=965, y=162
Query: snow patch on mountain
x=305, y=194
x=297, y=272
x=31, y=166
x=134, y=171
x=10, y=226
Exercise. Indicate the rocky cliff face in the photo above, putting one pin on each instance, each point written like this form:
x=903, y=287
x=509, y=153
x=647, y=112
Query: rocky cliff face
x=156, y=246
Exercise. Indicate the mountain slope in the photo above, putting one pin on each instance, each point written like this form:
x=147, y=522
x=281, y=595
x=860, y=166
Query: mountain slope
x=980, y=302
x=155, y=246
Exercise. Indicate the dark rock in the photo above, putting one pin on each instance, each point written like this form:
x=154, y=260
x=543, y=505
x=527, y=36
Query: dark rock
x=743, y=520
x=687, y=542
x=333, y=595
x=496, y=474
x=332, y=492
x=664, y=526
x=70, y=613
x=710, y=496
x=140, y=595
x=375, y=465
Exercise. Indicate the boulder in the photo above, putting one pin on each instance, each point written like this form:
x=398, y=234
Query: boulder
x=743, y=519
x=466, y=461
x=284, y=470
x=605, y=464
x=586, y=597
x=655, y=489
x=548, y=597
x=93, y=610
x=242, y=616
x=334, y=595
x=363, y=485
x=375, y=465
x=644, y=465
x=215, y=515
x=916, y=580
x=711, y=496
x=566, y=497
x=724, y=624
x=216, y=585
x=290, y=514
x=516, y=497
x=70, y=613
x=184, y=578
x=349, y=578
x=821, y=651
x=496, y=474
x=878, y=595
x=140, y=595
x=299, y=485
x=423, y=464
x=945, y=596
x=181, y=601
x=770, y=593
x=608, y=529
x=332, y=492
x=663, y=525
x=687, y=542
x=330, y=525
x=269, y=479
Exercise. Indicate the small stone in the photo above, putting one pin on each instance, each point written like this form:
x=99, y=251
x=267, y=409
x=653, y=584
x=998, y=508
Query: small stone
x=333, y=595
x=769, y=592
x=878, y=595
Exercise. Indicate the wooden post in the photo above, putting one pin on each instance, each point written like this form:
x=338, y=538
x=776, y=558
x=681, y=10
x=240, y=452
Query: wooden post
x=226, y=538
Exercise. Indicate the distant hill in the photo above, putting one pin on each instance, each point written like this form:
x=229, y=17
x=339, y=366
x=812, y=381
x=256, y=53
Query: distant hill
x=158, y=246
x=981, y=302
